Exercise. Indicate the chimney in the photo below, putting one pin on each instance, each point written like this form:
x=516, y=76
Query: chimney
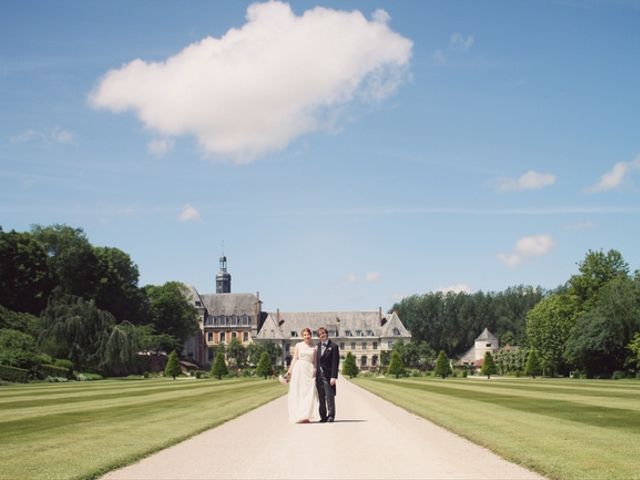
x=278, y=315
x=379, y=313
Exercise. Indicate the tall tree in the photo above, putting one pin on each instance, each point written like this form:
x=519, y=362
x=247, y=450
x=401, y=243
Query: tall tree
x=171, y=312
x=549, y=325
x=443, y=367
x=488, y=365
x=17, y=349
x=25, y=276
x=349, y=367
x=120, y=346
x=395, y=366
x=172, y=369
x=533, y=364
x=219, y=367
x=595, y=271
x=264, y=368
x=237, y=352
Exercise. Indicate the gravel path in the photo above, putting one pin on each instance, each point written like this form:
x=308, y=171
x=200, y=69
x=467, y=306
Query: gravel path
x=371, y=439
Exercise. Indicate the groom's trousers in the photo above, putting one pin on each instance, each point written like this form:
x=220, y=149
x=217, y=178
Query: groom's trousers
x=327, y=398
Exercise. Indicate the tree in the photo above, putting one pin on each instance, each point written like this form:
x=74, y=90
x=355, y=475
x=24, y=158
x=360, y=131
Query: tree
x=173, y=366
x=596, y=270
x=74, y=328
x=443, y=367
x=25, y=276
x=119, y=349
x=17, y=349
x=533, y=364
x=219, y=367
x=71, y=258
x=549, y=325
x=171, y=312
x=264, y=368
x=634, y=347
x=349, y=367
x=254, y=352
x=488, y=365
x=395, y=366
x=237, y=352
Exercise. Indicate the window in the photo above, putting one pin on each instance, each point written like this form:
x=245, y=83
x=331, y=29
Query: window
x=390, y=344
x=342, y=346
x=374, y=360
x=353, y=346
x=363, y=361
x=234, y=320
x=222, y=337
x=375, y=345
x=245, y=336
x=370, y=333
x=396, y=332
x=348, y=333
x=359, y=333
x=198, y=304
x=488, y=345
x=294, y=334
x=364, y=345
x=209, y=336
x=234, y=335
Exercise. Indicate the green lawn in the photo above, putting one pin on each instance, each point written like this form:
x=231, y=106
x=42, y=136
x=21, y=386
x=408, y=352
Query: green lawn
x=561, y=428
x=84, y=429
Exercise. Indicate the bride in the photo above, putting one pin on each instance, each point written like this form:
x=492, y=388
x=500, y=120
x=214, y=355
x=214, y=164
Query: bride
x=303, y=397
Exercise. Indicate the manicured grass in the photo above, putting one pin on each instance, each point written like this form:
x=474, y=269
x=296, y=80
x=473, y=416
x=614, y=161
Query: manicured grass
x=84, y=429
x=561, y=428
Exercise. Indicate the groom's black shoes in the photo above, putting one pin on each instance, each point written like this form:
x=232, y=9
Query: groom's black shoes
x=330, y=419
x=323, y=420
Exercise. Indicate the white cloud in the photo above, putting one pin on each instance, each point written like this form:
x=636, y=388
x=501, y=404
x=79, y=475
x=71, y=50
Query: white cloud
x=459, y=42
x=260, y=86
x=613, y=178
x=528, y=181
x=351, y=278
x=160, y=146
x=527, y=248
x=55, y=135
x=189, y=214
x=372, y=277
x=458, y=288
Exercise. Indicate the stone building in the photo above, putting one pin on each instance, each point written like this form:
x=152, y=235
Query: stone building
x=222, y=316
x=485, y=342
x=366, y=334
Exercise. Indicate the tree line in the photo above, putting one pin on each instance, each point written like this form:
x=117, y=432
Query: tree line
x=64, y=299
x=588, y=326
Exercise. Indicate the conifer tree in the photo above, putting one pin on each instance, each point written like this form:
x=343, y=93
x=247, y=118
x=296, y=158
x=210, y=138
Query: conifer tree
x=396, y=367
x=173, y=366
x=488, y=365
x=443, y=368
x=533, y=364
x=264, y=367
x=349, y=367
x=219, y=367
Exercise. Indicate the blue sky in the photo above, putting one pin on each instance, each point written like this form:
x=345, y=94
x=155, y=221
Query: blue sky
x=345, y=159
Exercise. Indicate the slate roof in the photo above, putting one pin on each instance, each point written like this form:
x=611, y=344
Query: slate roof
x=230, y=303
x=365, y=321
x=486, y=335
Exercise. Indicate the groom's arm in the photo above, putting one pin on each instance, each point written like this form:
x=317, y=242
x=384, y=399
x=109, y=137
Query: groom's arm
x=335, y=360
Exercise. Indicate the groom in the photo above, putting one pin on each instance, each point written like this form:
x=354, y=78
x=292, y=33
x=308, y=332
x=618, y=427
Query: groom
x=328, y=357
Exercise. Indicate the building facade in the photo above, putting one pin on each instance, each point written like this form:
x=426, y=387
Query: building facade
x=366, y=334
x=222, y=316
x=485, y=342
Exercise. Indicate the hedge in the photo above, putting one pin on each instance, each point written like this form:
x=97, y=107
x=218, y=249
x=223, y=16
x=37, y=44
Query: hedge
x=53, y=371
x=13, y=374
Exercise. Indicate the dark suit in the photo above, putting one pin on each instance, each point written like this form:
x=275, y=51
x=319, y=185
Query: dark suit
x=327, y=368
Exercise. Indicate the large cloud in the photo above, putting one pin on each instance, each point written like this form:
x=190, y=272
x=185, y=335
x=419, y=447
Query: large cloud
x=258, y=87
x=613, y=179
x=527, y=248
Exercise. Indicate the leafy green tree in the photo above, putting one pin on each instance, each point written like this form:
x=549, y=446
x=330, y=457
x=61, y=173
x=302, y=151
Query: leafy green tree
x=219, y=367
x=119, y=349
x=596, y=270
x=395, y=366
x=533, y=365
x=172, y=369
x=71, y=258
x=237, y=352
x=25, y=276
x=264, y=368
x=488, y=365
x=171, y=312
x=23, y=322
x=634, y=347
x=74, y=328
x=153, y=342
x=385, y=358
x=549, y=325
x=598, y=342
x=254, y=352
x=443, y=367
x=349, y=367
x=116, y=288
x=17, y=349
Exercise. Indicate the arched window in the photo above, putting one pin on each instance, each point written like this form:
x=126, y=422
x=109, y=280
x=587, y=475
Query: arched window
x=363, y=361
x=396, y=332
x=374, y=360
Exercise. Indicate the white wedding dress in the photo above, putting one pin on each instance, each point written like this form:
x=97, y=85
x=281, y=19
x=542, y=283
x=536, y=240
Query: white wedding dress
x=303, y=396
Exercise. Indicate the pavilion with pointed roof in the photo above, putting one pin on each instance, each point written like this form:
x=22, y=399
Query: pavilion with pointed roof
x=485, y=342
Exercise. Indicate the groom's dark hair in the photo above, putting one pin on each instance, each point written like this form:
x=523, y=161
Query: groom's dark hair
x=322, y=329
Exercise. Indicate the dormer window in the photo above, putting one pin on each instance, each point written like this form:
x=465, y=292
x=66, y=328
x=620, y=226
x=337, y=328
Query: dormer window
x=348, y=333
x=359, y=333
x=198, y=304
x=369, y=333
x=396, y=332
x=294, y=334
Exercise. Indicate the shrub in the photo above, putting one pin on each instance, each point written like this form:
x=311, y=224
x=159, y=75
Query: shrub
x=53, y=371
x=219, y=367
x=264, y=368
x=443, y=367
x=173, y=366
x=396, y=367
x=247, y=372
x=488, y=365
x=620, y=374
x=85, y=377
x=349, y=367
x=464, y=374
x=63, y=363
x=13, y=374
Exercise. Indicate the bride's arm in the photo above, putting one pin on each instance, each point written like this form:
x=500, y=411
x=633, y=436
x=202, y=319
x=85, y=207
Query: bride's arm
x=294, y=358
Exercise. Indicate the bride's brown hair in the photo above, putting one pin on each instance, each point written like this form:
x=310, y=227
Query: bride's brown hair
x=306, y=329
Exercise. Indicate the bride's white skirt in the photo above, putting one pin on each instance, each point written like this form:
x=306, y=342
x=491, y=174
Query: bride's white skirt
x=303, y=397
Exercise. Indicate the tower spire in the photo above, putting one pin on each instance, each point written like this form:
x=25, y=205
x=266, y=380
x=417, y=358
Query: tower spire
x=223, y=278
